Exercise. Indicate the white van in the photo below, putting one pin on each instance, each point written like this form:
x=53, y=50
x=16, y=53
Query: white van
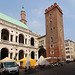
x=9, y=67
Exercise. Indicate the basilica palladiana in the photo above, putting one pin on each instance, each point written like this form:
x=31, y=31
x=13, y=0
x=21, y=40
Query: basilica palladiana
x=17, y=40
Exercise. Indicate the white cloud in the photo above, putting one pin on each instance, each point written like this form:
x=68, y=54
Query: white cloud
x=36, y=23
x=38, y=12
x=37, y=26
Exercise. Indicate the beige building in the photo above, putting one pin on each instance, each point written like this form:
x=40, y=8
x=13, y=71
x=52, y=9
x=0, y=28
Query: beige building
x=70, y=50
x=42, y=46
x=16, y=40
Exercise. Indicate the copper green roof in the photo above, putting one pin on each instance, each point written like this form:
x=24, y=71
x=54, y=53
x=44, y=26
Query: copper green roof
x=11, y=20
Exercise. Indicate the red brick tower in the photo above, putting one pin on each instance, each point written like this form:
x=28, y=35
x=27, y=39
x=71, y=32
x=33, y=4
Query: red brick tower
x=55, y=46
x=23, y=16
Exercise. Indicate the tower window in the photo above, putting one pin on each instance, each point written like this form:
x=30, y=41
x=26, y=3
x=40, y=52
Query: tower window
x=50, y=14
x=51, y=28
x=51, y=51
x=51, y=45
x=50, y=21
x=51, y=39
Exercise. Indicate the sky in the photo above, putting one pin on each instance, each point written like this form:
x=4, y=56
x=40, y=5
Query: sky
x=35, y=16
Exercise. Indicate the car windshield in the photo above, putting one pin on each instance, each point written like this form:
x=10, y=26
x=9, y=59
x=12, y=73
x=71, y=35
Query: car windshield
x=10, y=64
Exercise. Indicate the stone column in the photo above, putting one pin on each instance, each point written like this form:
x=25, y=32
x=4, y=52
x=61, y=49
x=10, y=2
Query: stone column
x=9, y=37
x=29, y=42
x=0, y=54
x=9, y=55
x=24, y=40
x=14, y=38
x=37, y=55
x=30, y=55
x=14, y=52
x=17, y=56
x=24, y=55
x=0, y=34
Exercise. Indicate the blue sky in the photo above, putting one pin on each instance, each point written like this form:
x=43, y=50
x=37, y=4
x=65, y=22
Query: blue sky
x=35, y=16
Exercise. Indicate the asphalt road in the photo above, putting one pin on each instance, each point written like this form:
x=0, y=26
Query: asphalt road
x=67, y=69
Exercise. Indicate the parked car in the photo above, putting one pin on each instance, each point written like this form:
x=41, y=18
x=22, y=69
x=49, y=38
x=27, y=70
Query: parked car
x=68, y=61
x=74, y=60
x=9, y=67
x=57, y=64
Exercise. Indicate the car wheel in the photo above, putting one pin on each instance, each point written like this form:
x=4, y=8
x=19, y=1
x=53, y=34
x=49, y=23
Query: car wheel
x=3, y=74
x=17, y=73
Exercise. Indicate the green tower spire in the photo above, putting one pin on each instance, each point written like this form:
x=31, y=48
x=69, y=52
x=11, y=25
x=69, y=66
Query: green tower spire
x=22, y=8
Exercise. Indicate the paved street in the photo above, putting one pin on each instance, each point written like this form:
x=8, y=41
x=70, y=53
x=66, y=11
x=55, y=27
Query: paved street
x=67, y=69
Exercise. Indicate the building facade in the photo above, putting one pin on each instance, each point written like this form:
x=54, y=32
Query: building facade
x=70, y=50
x=55, y=46
x=16, y=40
x=42, y=46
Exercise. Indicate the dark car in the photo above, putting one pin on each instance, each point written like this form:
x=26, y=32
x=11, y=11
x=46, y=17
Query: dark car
x=57, y=64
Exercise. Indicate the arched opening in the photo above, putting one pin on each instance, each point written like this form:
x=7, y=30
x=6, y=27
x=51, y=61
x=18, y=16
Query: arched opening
x=32, y=55
x=21, y=54
x=42, y=52
x=4, y=53
x=4, y=34
x=51, y=39
x=21, y=38
x=32, y=41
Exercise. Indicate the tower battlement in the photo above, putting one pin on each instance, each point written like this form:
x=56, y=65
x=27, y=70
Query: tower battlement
x=52, y=7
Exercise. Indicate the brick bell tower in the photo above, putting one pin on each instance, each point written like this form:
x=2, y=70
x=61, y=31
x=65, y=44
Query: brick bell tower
x=23, y=16
x=55, y=46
